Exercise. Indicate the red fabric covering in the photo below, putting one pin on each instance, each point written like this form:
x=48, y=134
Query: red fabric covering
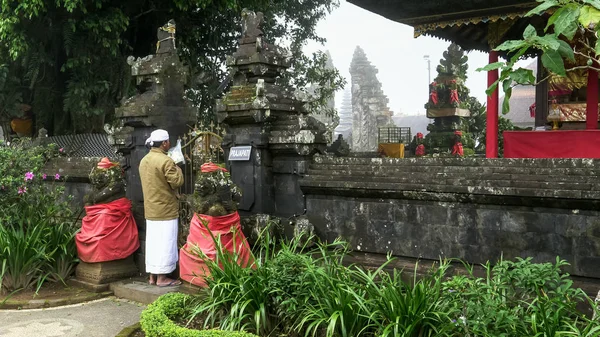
x=227, y=230
x=552, y=144
x=108, y=232
x=105, y=163
x=454, y=96
x=433, y=96
x=457, y=149
x=420, y=151
x=210, y=167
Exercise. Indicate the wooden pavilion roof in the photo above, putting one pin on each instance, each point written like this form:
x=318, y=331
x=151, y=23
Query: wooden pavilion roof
x=472, y=24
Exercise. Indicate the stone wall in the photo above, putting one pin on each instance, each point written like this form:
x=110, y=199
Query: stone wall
x=472, y=209
x=76, y=172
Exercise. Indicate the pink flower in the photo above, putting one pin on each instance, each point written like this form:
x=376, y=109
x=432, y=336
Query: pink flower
x=44, y=175
x=56, y=176
x=61, y=150
x=29, y=176
x=22, y=190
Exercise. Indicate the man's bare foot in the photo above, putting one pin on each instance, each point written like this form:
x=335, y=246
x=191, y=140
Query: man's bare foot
x=167, y=282
x=152, y=280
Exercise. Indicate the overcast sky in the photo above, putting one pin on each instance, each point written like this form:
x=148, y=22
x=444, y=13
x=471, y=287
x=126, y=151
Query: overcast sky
x=398, y=56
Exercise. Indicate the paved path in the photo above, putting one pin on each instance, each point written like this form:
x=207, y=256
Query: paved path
x=101, y=318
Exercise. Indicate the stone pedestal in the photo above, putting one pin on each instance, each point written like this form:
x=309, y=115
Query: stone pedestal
x=98, y=276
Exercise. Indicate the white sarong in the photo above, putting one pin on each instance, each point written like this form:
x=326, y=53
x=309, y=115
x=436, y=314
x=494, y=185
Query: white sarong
x=161, y=246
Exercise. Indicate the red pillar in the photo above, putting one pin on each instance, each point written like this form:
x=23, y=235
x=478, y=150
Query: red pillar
x=591, y=114
x=491, y=127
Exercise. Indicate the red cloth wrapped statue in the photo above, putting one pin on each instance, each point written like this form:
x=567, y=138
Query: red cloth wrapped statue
x=108, y=231
x=205, y=232
x=457, y=149
x=420, y=151
x=215, y=220
x=433, y=95
x=454, y=96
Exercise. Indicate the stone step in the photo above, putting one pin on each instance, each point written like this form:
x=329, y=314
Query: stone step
x=461, y=181
x=307, y=184
x=139, y=290
x=549, y=163
x=432, y=176
x=364, y=169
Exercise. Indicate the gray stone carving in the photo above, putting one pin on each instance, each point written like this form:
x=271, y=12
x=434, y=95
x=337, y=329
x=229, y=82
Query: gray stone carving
x=259, y=113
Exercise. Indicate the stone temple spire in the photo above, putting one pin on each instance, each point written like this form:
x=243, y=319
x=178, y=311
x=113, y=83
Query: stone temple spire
x=369, y=104
x=345, y=126
x=326, y=114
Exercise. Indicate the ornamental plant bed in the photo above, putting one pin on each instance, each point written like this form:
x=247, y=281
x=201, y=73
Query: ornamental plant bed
x=300, y=289
x=37, y=222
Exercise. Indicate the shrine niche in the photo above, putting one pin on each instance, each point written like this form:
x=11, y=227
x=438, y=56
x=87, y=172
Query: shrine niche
x=567, y=97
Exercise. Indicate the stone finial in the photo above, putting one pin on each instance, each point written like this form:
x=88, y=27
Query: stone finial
x=166, y=38
x=251, y=24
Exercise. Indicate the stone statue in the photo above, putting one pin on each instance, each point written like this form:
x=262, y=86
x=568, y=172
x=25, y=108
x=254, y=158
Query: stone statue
x=108, y=236
x=340, y=147
x=215, y=194
x=108, y=183
x=251, y=23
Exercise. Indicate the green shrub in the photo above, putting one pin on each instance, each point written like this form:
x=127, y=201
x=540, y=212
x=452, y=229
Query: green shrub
x=298, y=292
x=237, y=297
x=517, y=298
x=400, y=309
x=36, y=233
x=157, y=319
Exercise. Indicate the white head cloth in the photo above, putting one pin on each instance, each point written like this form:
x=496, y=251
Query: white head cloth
x=157, y=136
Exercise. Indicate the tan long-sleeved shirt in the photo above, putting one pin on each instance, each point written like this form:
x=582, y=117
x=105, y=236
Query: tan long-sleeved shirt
x=160, y=180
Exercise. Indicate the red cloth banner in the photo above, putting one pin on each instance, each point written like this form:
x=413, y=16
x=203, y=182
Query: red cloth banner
x=108, y=232
x=226, y=230
x=552, y=144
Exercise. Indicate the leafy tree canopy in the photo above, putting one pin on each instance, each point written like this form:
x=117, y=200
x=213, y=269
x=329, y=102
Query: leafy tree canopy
x=66, y=58
x=568, y=42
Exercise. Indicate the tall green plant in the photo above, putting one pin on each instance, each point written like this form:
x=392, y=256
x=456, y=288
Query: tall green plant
x=23, y=256
x=516, y=298
x=401, y=309
x=62, y=251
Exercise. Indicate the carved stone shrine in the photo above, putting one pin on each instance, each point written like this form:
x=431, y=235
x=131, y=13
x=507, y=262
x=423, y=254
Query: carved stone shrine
x=161, y=81
x=269, y=119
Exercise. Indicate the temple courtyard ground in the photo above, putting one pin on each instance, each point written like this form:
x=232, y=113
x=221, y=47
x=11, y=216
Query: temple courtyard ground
x=100, y=318
x=75, y=312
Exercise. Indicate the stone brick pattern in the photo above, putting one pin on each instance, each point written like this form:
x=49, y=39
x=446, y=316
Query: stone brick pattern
x=472, y=209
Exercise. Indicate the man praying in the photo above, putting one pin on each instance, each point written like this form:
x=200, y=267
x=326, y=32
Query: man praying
x=160, y=178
